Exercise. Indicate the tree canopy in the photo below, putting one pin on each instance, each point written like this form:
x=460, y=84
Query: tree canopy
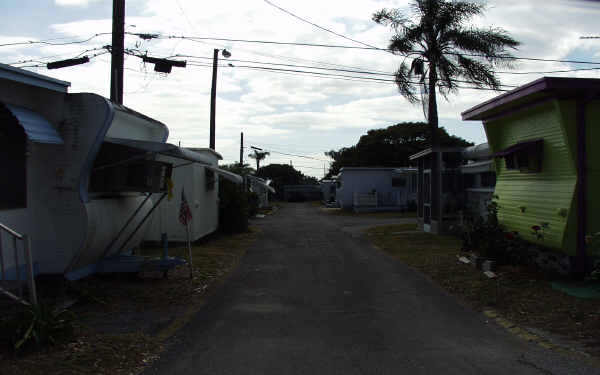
x=446, y=52
x=390, y=147
x=284, y=174
x=258, y=156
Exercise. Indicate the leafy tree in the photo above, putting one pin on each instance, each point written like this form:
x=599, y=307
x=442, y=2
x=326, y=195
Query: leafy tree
x=258, y=156
x=242, y=170
x=448, y=53
x=390, y=147
x=284, y=174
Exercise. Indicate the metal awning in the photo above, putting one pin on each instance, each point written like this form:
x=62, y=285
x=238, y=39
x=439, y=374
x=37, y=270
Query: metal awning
x=37, y=128
x=176, y=152
x=262, y=183
x=477, y=167
x=521, y=146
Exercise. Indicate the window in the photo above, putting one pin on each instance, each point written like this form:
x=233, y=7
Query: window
x=488, y=179
x=120, y=168
x=399, y=181
x=210, y=178
x=524, y=156
x=13, y=148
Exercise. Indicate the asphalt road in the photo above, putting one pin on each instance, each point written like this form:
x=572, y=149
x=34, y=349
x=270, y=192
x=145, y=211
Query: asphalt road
x=313, y=297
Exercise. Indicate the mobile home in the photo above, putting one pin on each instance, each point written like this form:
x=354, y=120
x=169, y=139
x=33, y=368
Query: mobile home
x=542, y=136
x=84, y=174
x=200, y=182
x=366, y=188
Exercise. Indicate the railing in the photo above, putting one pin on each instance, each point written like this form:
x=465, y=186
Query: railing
x=365, y=199
x=28, y=267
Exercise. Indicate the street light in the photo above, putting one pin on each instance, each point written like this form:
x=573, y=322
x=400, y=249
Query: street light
x=213, y=93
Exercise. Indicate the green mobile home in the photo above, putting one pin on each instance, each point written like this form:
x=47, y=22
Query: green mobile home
x=541, y=136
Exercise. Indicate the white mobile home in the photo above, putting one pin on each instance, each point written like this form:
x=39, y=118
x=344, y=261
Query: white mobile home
x=327, y=190
x=262, y=188
x=201, y=185
x=365, y=188
x=479, y=179
x=84, y=174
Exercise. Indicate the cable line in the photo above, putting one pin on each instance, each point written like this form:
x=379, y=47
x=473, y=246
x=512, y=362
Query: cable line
x=50, y=43
x=320, y=27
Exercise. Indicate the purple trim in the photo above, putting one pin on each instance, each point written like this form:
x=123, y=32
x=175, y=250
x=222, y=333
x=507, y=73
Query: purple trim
x=581, y=187
x=545, y=84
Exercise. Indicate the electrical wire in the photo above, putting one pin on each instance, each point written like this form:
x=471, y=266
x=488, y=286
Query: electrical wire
x=342, y=76
x=50, y=43
x=194, y=38
x=320, y=27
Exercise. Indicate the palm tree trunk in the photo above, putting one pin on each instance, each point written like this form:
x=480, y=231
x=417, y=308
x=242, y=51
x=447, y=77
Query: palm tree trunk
x=436, y=176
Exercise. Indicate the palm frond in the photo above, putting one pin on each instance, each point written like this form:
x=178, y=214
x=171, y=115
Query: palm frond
x=404, y=83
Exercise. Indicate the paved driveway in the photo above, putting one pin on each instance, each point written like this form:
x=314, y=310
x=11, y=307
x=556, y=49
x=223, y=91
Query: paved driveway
x=311, y=298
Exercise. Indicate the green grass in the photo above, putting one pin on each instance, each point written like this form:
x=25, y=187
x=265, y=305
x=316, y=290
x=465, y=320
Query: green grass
x=524, y=295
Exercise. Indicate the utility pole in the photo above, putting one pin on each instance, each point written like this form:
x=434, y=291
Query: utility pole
x=213, y=94
x=241, y=149
x=117, y=50
x=213, y=98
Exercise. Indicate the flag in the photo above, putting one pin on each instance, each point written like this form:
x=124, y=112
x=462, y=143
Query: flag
x=185, y=214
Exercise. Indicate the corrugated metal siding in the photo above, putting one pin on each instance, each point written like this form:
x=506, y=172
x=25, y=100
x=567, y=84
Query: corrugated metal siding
x=542, y=194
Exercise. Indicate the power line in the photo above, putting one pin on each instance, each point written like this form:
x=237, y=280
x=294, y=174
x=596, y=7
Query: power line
x=50, y=43
x=293, y=65
x=194, y=38
x=320, y=27
x=329, y=75
x=320, y=68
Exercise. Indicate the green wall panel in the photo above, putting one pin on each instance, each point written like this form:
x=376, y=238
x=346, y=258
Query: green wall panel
x=543, y=194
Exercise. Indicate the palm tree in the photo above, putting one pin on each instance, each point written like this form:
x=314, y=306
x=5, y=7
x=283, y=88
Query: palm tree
x=445, y=54
x=258, y=156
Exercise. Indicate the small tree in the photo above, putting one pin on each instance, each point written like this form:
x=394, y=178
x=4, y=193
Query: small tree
x=258, y=156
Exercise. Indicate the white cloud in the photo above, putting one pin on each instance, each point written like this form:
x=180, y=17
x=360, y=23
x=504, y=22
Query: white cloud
x=76, y=3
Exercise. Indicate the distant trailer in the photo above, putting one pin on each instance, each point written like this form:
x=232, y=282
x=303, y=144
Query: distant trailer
x=327, y=190
x=200, y=182
x=376, y=189
x=260, y=187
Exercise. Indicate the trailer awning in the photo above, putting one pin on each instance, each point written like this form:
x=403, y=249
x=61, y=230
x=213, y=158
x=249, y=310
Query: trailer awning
x=477, y=167
x=261, y=182
x=176, y=152
x=37, y=128
x=521, y=146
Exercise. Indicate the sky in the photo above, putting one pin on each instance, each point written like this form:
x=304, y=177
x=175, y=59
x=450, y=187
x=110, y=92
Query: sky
x=294, y=115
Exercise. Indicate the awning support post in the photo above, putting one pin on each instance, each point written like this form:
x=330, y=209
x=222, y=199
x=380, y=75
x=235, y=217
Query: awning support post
x=125, y=226
x=142, y=221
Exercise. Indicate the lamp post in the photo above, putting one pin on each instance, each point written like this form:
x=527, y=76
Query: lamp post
x=213, y=93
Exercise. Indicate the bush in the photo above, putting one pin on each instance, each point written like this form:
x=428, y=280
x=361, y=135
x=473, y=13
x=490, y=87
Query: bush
x=233, y=208
x=487, y=238
x=253, y=201
x=35, y=327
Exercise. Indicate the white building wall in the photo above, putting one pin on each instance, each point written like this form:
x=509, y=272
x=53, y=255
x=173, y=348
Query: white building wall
x=203, y=202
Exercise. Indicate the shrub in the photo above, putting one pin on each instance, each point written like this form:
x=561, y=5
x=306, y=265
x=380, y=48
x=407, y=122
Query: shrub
x=233, y=208
x=253, y=201
x=35, y=327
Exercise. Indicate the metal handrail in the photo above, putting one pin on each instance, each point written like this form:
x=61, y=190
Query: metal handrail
x=28, y=263
x=12, y=232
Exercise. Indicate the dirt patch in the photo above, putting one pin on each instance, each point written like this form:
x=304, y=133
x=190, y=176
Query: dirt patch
x=122, y=320
x=522, y=295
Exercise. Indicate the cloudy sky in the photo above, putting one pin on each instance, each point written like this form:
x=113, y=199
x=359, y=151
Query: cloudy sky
x=284, y=111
